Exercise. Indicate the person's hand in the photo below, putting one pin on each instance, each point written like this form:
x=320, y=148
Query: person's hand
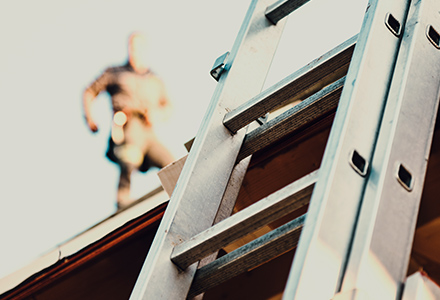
x=92, y=125
x=147, y=118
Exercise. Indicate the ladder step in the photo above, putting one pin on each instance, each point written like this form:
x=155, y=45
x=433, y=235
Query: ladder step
x=271, y=208
x=298, y=86
x=251, y=255
x=282, y=9
x=304, y=113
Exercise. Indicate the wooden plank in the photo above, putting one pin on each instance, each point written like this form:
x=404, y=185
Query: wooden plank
x=306, y=112
x=169, y=175
x=282, y=9
x=257, y=252
x=298, y=86
x=271, y=208
x=227, y=205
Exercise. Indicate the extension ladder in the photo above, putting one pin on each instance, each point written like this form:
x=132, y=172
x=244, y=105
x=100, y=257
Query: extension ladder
x=385, y=84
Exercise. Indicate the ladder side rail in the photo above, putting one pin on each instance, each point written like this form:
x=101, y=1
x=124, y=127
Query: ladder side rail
x=282, y=8
x=387, y=220
x=202, y=183
x=251, y=255
x=299, y=85
x=259, y=214
x=320, y=258
x=306, y=112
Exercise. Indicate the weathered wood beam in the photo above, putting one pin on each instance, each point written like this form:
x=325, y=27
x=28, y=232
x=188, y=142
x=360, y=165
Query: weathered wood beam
x=298, y=86
x=249, y=256
x=271, y=208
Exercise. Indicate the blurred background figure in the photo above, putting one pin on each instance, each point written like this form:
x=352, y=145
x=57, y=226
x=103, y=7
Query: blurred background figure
x=139, y=100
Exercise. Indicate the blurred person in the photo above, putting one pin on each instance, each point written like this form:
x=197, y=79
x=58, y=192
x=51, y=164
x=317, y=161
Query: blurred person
x=139, y=100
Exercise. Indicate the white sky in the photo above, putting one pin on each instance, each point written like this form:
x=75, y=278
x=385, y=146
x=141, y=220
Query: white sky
x=55, y=179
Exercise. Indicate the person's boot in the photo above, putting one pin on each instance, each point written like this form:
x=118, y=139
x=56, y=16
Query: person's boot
x=123, y=198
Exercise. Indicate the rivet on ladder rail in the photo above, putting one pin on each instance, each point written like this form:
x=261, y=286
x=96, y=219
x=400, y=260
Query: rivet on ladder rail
x=358, y=163
x=393, y=24
x=433, y=36
x=405, y=178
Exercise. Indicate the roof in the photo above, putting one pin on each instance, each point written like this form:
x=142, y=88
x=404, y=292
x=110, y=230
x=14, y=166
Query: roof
x=141, y=216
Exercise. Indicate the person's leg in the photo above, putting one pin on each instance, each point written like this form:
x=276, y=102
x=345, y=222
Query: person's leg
x=142, y=137
x=157, y=153
x=123, y=195
x=130, y=155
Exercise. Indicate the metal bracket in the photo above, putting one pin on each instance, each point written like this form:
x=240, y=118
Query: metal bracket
x=219, y=66
x=263, y=120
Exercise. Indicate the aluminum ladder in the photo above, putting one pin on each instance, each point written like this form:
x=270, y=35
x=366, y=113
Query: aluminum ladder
x=376, y=80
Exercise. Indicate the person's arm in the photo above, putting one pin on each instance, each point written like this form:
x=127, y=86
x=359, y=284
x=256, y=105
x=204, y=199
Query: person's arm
x=90, y=93
x=88, y=98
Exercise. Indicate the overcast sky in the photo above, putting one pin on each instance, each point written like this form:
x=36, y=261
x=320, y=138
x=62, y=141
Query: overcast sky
x=55, y=179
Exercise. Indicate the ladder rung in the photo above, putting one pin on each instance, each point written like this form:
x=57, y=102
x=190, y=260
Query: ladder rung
x=253, y=254
x=271, y=208
x=305, y=112
x=300, y=85
x=283, y=8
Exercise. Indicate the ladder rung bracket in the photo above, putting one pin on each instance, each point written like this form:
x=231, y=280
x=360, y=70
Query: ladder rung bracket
x=305, y=112
x=282, y=9
x=251, y=255
x=300, y=85
x=271, y=208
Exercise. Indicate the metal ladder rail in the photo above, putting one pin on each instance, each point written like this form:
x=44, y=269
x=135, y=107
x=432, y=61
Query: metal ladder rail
x=382, y=245
x=210, y=162
x=320, y=259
